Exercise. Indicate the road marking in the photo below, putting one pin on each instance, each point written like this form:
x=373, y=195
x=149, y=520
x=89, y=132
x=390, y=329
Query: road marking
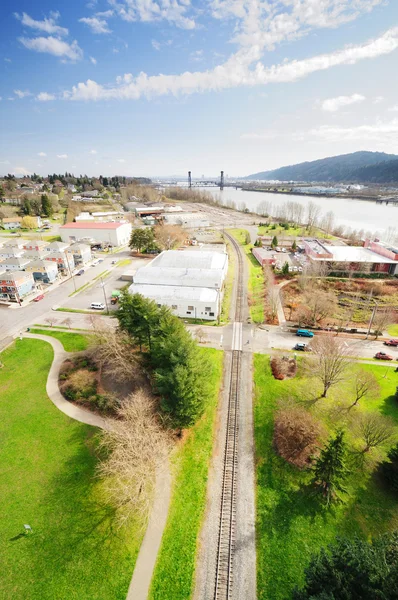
x=237, y=336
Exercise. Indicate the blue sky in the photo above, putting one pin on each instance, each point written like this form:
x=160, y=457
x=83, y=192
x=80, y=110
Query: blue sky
x=158, y=87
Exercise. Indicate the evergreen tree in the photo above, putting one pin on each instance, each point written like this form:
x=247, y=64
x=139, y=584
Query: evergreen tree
x=142, y=239
x=330, y=470
x=294, y=246
x=285, y=268
x=26, y=207
x=247, y=238
x=389, y=469
x=274, y=242
x=353, y=570
x=46, y=206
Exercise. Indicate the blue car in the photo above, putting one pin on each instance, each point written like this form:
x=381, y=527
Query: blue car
x=304, y=333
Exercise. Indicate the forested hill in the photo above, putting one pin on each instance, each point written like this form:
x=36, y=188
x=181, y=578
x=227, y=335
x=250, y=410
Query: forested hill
x=358, y=167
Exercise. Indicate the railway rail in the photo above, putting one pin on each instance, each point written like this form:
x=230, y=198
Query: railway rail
x=226, y=536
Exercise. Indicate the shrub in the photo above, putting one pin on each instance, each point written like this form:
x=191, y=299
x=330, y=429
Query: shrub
x=283, y=367
x=296, y=436
x=80, y=385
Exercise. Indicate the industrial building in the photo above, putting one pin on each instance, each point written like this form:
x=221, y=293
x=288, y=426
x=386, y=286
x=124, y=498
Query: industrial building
x=371, y=257
x=190, y=283
x=113, y=234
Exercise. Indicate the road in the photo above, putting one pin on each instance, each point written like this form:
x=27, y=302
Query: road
x=15, y=319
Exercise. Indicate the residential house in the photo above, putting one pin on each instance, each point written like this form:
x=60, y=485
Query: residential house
x=34, y=245
x=64, y=261
x=10, y=252
x=81, y=253
x=43, y=271
x=15, y=285
x=56, y=247
x=12, y=223
x=16, y=263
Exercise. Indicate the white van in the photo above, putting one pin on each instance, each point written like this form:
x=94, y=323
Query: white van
x=97, y=306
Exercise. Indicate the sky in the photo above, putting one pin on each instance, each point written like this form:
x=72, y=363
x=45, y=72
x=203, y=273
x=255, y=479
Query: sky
x=160, y=87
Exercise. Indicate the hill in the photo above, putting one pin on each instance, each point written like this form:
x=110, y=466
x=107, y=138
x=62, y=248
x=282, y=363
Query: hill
x=358, y=167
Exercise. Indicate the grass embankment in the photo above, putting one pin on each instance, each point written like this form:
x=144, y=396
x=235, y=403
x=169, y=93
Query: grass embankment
x=40, y=326
x=291, y=232
x=48, y=481
x=229, y=282
x=81, y=310
x=256, y=278
x=175, y=567
x=393, y=330
x=290, y=523
x=72, y=342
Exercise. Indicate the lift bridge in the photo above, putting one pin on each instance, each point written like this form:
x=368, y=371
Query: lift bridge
x=206, y=182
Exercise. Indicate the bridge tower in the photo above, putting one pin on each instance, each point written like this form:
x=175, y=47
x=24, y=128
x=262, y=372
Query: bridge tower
x=222, y=180
x=189, y=180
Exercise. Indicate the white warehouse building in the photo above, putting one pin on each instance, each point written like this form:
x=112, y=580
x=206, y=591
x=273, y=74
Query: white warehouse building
x=190, y=283
x=115, y=234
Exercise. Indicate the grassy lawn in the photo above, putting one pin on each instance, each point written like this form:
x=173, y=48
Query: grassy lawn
x=393, y=330
x=47, y=481
x=279, y=231
x=78, y=310
x=290, y=523
x=174, y=572
x=256, y=278
x=72, y=342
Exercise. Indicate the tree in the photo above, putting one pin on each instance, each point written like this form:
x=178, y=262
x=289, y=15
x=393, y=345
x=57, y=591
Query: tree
x=36, y=207
x=328, y=362
x=46, y=206
x=67, y=322
x=364, y=385
x=135, y=447
x=285, y=268
x=375, y=430
x=389, y=469
x=296, y=435
x=313, y=213
x=28, y=223
x=247, y=238
x=51, y=321
x=353, y=570
x=330, y=471
x=26, y=207
x=317, y=306
x=142, y=239
x=294, y=246
x=382, y=319
x=274, y=242
x=169, y=236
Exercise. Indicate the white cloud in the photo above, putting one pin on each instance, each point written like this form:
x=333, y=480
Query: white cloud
x=93, y=60
x=334, y=104
x=105, y=13
x=156, y=44
x=45, y=97
x=173, y=11
x=393, y=108
x=54, y=46
x=22, y=94
x=93, y=152
x=121, y=160
x=48, y=25
x=96, y=25
x=378, y=132
x=42, y=154
x=62, y=156
x=378, y=99
x=20, y=171
x=234, y=72
x=197, y=55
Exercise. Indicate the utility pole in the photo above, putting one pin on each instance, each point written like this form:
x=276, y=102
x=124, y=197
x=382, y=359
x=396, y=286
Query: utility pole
x=70, y=272
x=372, y=319
x=103, y=289
x=189, y=180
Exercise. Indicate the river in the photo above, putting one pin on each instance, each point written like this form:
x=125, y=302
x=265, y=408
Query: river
x=352, y=213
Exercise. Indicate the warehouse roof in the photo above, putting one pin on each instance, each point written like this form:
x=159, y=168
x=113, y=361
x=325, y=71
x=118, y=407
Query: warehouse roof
x=186, y=277
x=357, y=254
x=193, y=260
x=163, y=293
x=90, y=225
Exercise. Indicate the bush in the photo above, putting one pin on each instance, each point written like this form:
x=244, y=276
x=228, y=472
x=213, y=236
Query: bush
x=296, y=436
x=283, y=367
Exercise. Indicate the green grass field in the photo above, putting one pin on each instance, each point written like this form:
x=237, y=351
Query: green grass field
x=229, y=281
x=292, y=232
x=72, y=342
x=256, y=278
x=291, y=525
x=48, y=481
x=393, y=330
x=174, y=573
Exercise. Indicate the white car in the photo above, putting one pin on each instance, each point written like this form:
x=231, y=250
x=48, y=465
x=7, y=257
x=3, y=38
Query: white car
x=97, y=306
x=284, y=250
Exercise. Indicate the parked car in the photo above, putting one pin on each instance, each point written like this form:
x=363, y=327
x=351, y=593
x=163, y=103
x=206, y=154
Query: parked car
x=38, y=298
x=302, y=347
x=80, y=272
x=113, y=262
x=97, y=306
x=391, y=343
x=383, y=356
x=283, y=250
x=101, y=260
x=114, y=300
x=304, y=333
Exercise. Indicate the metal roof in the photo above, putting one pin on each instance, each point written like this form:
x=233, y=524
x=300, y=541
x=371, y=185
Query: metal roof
x=186, y=277
x=96, y=225
x=188, y=259
x=175, y=293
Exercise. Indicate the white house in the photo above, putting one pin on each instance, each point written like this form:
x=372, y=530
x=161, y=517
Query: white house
x=81, y=253
x=113, y=234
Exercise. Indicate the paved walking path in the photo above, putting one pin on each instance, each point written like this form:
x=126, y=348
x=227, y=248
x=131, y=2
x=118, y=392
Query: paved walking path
x=145, y=565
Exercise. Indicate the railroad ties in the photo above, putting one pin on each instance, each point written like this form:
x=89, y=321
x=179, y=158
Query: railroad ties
x=226, y=536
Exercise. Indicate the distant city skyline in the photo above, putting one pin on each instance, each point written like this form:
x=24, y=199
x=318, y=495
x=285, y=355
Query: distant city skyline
x=152, y=89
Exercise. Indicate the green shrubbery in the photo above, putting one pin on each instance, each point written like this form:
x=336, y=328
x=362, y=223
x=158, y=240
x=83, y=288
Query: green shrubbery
x=79, y=383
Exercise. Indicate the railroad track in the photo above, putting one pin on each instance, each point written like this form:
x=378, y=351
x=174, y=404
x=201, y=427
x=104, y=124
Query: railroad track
x=226, y=536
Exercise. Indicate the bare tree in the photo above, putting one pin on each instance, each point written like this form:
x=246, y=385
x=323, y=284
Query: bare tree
x=328, y=222
x=320, y=305
x=51, y=321
x=136, y=446
x=200, y=334
x=67, y=322
x=328, y=362
x=313, y=214
x=382, y=319
x=375, y=430
x=364, y=385
x=169, y=236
